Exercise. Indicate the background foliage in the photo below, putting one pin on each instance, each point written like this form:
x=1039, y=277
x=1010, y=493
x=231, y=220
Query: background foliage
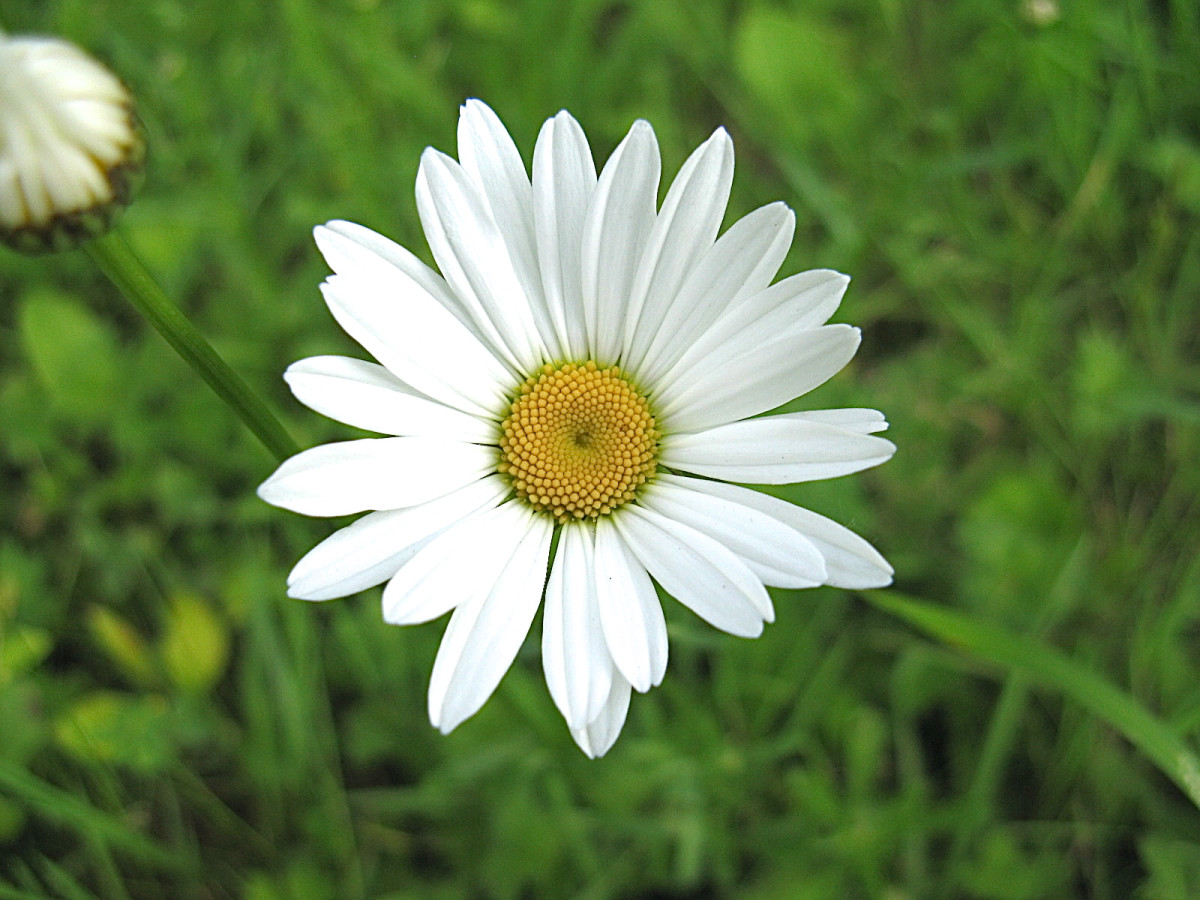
x=1015, y=188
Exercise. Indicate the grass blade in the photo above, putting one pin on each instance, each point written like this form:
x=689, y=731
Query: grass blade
x=1052, y=668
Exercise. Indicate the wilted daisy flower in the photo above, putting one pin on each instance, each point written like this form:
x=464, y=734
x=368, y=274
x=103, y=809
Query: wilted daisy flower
x=586, y=366
x=70, y=148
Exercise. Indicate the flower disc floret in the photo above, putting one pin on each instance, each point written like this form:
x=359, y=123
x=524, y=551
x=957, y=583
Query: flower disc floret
x=579, y=441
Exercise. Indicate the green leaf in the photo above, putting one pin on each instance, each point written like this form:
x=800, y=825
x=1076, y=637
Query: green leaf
x=109, y=727
x=195, y=645
x=21, y=649
x=73, y=353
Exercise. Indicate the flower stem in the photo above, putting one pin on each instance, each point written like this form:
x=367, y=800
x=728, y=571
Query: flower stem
x=117, y=260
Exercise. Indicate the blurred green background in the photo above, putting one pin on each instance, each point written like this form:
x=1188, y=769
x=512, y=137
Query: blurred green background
x=1015, y=187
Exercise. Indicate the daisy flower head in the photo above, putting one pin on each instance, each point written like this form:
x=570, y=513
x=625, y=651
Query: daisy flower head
x=588, y=370
x=70, y=148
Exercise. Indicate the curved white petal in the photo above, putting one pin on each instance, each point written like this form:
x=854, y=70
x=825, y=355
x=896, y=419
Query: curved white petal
x=367, y=395
x=471, y=252
x=564, y=177
x=486, y=631
x=574, y=656
x=419, y=341
x=684, y=229
x=863, y=421
x=462, y=561
x=775, y=450
x=745, y=378
x=797, y=304
x=632, y=618
x=615, y=230
x=598, y=736
x=742, y=262
x=801, y=301
x=489, y=156
x=697, y=571
x=372, y=550
x=850, y=562
x=779, y=555
x=344, y=259
x=374, y=473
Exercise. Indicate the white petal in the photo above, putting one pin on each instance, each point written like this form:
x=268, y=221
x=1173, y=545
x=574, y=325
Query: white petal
x=419, y=341
x=486, y=632
x=795, y=305
x=374, y=473
x=850, y=562
x=368, y=396
x=698, y=571
x=745, y=378
x=802, y=301
x=634, y=628
x=372, y=550
x=732, y=268
x=602, y=732
x=684, y=230
x=343, y=260
x=470, y=250
x=489, y=156
x=564, y=177
x=777, y=554
x=615, y=230
x=775, y=450
x=863, y=421
x=574, y=657
x=463, y=561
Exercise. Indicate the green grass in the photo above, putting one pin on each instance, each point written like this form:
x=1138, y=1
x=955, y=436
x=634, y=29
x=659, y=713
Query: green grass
x=1019, y=206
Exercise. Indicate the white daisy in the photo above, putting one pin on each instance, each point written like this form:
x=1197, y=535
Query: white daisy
x=70, y=148
x=587, y=367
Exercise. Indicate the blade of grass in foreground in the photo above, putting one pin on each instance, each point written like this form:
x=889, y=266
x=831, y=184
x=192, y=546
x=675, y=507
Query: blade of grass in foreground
x=60, y=806
x=1050, y=667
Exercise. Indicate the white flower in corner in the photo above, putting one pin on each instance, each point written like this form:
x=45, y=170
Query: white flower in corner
x=70, y=148
x=586, y=366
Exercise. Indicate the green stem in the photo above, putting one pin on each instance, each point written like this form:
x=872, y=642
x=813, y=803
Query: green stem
x=125, y=270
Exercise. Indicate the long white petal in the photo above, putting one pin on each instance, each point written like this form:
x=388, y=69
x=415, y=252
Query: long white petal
x=618, y=222
x=683, y=231
x=634, y=627
x=574, y=656
x=374, y=473
x=486, y=632
x=461, y=562
x=864, y=421
x=698, y=571
x=804, y=300
x=368, y=396
x=489, y=156
x=470, y=250
x=419, y=341
x=564, y=177
x=779, y=555
x=344, y=259
x=850, y=562
x=775, y=450
x=598, y=736
x=797, y=304
x=744, y=379
x=740, y=263
x=372, y=549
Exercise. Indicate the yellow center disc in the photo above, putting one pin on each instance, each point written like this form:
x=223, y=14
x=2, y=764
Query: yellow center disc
x=578, y=441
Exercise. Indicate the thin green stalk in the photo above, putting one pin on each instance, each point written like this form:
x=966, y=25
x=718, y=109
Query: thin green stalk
x=1044, y=664
x=125, y=270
